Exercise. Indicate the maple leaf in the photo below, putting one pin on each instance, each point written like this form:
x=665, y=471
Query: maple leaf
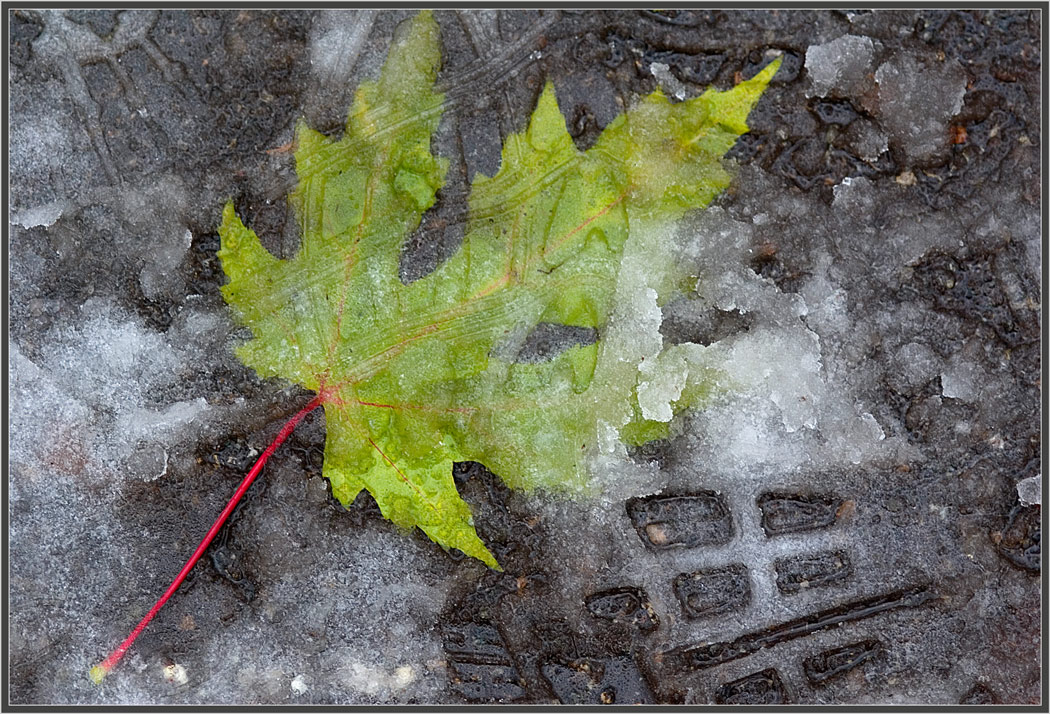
x=416, y=377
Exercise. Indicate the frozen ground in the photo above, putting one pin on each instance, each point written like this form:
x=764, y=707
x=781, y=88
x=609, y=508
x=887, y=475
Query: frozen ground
x=870, y=284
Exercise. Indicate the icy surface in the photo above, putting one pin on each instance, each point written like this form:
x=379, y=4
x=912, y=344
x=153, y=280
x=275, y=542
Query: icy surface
x=633, y=338
x=44, y=215
x=1030, y=491
x=917, y=96
x=782, y=409
x=870, y=141
x=918, y=364
x=668, y=81
x=99, y=392
x=853, y=194
x=337, y=42
x=866, y=297
x=660, y=385
x=840, y=65
x=166, y=258
x=961, y=381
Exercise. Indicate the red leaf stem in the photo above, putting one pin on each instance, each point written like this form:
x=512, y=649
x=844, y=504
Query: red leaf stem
x=99, y=671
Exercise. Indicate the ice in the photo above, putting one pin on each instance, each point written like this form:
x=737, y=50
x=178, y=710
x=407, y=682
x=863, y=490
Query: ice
x=960, y=380
x=109, y=359
x=783, y=363
x=161, y=424
x=633, y=349
x=633, y=335
x=630, y=352
x=374, y=680
x=337, y=43
x=840, y=65
x=917, y=97
x=43, y=136
x=873, y=427
x=48, y=426
x=782, y=412
x=779, y=397
x=368, y=635
x=661, y=381
x=165, y=257
x=635, y=324
x=853, y=194
x=721, y=249
x=826, y=301
x=668, y=81
x=777, y=404
x=44, y=215
x=867, y=139
x=101, y=389
x=176, y=674
x=1030, y=491
x=916, y=364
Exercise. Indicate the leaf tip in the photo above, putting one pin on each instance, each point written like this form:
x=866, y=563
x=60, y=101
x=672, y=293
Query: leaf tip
x=418, y=44
x=231, y=223
x=229, y=214
x=489, y=559
x=764, y=77
x=547, y=131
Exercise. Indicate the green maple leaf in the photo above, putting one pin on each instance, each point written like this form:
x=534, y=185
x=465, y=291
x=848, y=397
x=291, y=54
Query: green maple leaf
x=415, y=377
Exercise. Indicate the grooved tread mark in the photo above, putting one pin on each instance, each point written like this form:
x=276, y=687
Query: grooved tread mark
x=708, y=655
x=831, y=663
